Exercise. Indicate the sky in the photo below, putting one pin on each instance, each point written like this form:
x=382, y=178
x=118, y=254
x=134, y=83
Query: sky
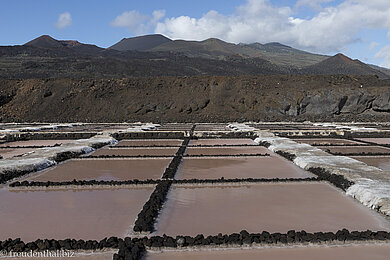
x=358, y=28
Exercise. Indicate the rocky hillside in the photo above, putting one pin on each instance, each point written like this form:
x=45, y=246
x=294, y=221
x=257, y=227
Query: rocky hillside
x=200, y=99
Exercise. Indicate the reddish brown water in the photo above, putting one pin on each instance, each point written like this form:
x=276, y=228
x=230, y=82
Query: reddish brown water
x=37, y=143
x=150, y=142
x=212, y=127
x=326, y=141
x=382, y=162
x=272, y=207
x=10, y=152
x=243, y=167
x=226, y=150
x=376, y=140
x=80, y=214
x=136, y=151
x=106, y=169
x=355, y=252
x=222, y=142
x=356, y=149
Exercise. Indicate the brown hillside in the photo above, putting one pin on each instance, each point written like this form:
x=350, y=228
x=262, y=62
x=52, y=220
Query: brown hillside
x=341, y=64
x=196, y=99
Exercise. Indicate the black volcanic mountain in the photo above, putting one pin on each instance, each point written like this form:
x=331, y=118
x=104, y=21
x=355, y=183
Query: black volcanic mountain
x=212, y=48
x=156, y=55
x=341, y=64
x=287, y=56
x=140, y=43
x=46, y=41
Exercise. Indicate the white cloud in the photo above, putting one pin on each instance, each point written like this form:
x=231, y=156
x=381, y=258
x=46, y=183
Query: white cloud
x=137, y=22
x=64, y=20
x=131, y=19
x=373, y=45
x=384, y=54
x=330, y=30
x=185, y=27
x=157, y=16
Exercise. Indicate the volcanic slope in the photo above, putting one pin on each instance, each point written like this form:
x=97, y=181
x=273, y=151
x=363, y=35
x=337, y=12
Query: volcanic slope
x=46, y=57
x=217, y=49
x=46, y=41
x=196, y=99
x=341, y=64
x=140, y=43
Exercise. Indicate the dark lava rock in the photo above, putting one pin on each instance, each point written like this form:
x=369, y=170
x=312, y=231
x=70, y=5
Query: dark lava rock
x=382, y=102
x=322, y=104
x=358, y=103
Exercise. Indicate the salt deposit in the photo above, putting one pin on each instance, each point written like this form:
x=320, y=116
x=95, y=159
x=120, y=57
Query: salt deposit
x=45, y=157
x=241, y=127
x=348, y=127
x=141, y=128
x=38, y=128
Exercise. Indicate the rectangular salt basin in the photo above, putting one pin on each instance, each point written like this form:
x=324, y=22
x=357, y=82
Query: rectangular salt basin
x=155, y=151
x=12, y=152
x=78, y=214
x=345, y=252
x=232, y=150
x=355, y=149
x=326, y=141
x=150, y=142
x=376, y=140
x=216, y=127
x=37, y=143
x=245, y=141
x=239, y=167
x=106, y=169
x=381, y=162
x=271, y=207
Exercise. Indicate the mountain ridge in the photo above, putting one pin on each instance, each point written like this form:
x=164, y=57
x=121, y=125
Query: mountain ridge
x=46, y=41
x=214, y=48
x=157, y=55
x=140, y=43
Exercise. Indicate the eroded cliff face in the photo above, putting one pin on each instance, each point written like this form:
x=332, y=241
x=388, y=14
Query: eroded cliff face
x=200, y=99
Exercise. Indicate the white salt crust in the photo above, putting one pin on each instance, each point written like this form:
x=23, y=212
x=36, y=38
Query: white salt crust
x=241, y=127
x=348, y=127
x=43, y=158
x=39, y=128
x=141, y=128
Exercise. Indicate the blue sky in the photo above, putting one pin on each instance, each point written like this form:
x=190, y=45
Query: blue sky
x=358, y=28
x=26, y=19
